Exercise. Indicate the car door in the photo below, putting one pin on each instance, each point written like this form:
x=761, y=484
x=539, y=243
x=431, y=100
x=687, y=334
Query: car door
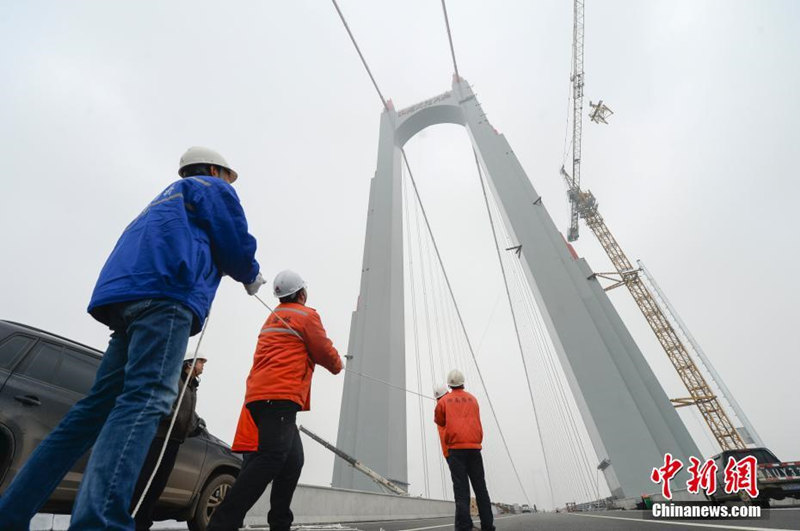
x=38, y=393
x=185, y=477
x=12, y=350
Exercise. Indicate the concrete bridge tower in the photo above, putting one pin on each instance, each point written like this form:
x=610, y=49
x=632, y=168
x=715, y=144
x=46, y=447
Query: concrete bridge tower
x=630, y=420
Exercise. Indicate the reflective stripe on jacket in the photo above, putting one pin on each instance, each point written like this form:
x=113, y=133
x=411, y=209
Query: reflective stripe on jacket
x=289, y=347
x=246, y=438
x=178, y=248
x=458, y=413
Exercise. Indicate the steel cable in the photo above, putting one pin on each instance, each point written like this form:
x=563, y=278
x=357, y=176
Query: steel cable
x=438, y=256
x=514, y=320
x=450, y=39
x=363, y=61
x=461, y=322
x=407, y=227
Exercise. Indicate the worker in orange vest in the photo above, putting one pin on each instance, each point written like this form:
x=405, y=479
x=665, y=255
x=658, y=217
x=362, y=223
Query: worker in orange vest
x=438, y=392
x=458, y=413
x=291, y=343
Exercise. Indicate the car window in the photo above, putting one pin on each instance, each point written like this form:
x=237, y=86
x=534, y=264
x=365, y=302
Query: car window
x=76, y=372
x=12, y=349
x=42, y=362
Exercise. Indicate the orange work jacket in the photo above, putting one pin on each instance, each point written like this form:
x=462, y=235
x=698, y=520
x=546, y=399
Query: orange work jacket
x=445, y=452
x=441, y=435
x=458, y=413
x=246, y=438
x=288, y=349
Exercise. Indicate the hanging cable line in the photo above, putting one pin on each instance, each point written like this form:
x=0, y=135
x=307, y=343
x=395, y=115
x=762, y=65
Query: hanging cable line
x=561, y=410
x=407, y=226
x=461, y=322
x=450, y=39
x=438, y=256
x=363, y=61
x=514, y=320
x=551, y=370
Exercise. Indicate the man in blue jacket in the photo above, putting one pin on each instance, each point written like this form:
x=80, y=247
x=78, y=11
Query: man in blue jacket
x=154, y=291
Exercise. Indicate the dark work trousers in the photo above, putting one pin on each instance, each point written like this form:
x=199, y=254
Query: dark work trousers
x=466, y=466
x=279, y=459
x=144, y=518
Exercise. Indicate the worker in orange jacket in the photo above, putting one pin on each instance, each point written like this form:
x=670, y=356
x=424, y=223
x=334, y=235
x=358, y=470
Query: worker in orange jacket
x=438, y=392
x=458, y=413
x=291, y=343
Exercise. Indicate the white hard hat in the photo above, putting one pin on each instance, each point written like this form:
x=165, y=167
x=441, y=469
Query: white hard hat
x=286, y=283
x=455, y=378
x=202, y=155
x=190, y=356
x=439, y=391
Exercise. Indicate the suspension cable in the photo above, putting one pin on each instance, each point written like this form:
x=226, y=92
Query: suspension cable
x=407, y=226
x=514, y=320
x=563, y=405
x=559, y=410
x=461, y=322
x=436, y=248
x=450, y=39
x=363, y=61
x=424, y=266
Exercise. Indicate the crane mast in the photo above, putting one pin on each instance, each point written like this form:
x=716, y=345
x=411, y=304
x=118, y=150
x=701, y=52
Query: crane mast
x=577, y=114
x=583, y=205
x=700, y=394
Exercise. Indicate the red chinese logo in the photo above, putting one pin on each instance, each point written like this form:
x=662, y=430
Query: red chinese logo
x=664, y=474
x=704, y=477
x=741, y=475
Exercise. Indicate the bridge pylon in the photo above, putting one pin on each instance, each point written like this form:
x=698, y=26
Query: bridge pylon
x=629, y=418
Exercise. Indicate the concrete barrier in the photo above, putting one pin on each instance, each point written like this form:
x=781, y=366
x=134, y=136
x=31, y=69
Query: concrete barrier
x=320, y=505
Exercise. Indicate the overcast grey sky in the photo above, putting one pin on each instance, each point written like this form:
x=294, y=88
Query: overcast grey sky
x=694, y=174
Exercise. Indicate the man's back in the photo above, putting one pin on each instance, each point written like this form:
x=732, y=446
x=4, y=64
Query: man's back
x=459, y=413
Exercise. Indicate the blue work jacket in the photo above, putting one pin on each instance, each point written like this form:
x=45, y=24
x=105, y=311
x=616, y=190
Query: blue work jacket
x=178, y=248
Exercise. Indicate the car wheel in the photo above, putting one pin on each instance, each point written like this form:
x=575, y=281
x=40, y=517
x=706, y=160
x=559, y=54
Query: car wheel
x=210, y=498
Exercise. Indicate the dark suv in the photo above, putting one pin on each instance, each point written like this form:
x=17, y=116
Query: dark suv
x=41, y=376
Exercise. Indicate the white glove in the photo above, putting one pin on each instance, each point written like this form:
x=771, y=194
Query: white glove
x=254, y=286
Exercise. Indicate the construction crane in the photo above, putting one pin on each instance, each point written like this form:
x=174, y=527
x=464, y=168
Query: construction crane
x=358, y=465
x=746, y=430
x=583, y=205
x=700, y=394
x=577, y=114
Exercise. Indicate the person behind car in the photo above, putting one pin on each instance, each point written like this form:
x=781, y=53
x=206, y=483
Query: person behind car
x=187, y=423
x=154, y=291
x=458, y=413
x=291, y=343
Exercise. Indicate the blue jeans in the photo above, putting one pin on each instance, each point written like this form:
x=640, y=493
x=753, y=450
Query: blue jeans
x=135, y=387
